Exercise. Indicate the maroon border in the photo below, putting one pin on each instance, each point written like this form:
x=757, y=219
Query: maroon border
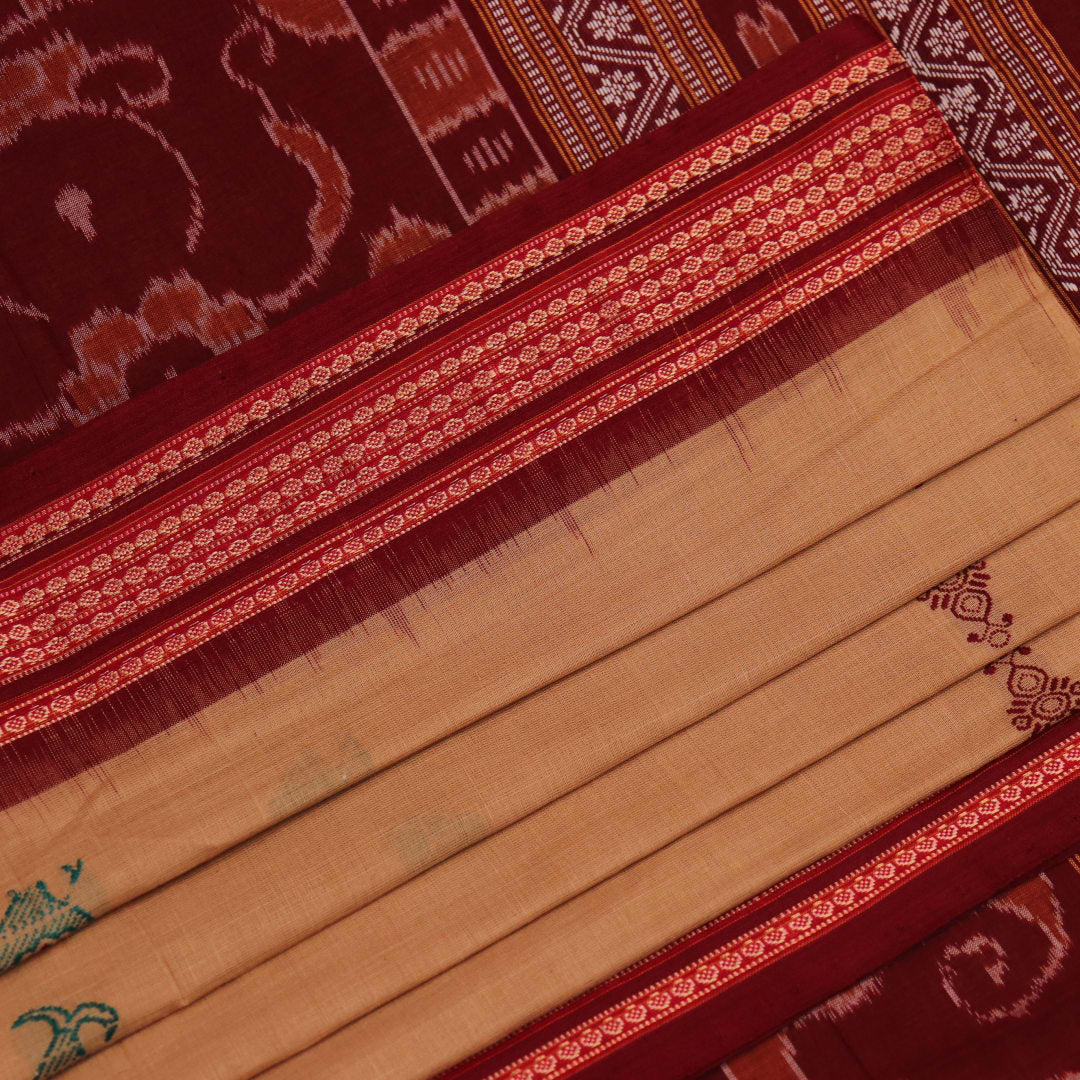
x=243, y=654
x=575, y=261
x=1062, y=23
x=520, y=417
x=380, y=580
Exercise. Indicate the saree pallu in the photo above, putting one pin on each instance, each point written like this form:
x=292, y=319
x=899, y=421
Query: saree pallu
x=385, y=683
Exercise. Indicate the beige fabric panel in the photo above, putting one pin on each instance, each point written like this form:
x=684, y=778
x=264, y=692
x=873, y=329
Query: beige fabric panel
x=526, y=974
x=249, y=1024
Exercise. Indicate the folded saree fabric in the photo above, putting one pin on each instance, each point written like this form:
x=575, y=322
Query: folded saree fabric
x=580, y=647
x=685, y=1005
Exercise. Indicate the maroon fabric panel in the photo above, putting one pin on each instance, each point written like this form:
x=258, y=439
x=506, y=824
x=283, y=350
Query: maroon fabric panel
x=1062, y=20
x=177, y=178
x=993, y=996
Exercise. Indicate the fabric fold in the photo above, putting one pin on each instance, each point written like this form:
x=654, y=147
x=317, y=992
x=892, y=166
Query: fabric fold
x=308, y=760
x=654, y=901
x=495, y=633
x=683, y=1009
x=395, y=832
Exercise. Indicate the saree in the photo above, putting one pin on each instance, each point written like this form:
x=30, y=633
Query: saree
x=595, y=590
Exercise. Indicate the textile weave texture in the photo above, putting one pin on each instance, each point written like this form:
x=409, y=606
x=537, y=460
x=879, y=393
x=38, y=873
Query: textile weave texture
x=990, y=996
x=596, y=586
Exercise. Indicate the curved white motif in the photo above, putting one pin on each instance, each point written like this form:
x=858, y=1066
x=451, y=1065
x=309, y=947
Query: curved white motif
x=980, y=949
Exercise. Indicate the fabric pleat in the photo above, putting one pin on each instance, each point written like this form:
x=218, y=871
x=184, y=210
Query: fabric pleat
x=566, y=636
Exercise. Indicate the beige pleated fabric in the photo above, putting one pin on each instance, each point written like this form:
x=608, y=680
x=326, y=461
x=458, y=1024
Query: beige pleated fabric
x=566, y=949
x=480, y=817
x=444, y=805
x=950, y=376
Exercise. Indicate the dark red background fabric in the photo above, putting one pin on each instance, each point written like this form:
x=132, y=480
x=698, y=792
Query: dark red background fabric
x=177, y=178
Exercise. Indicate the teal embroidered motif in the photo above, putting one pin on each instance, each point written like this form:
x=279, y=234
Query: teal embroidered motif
x=312, y=777
x=65, y=1047
x=35, y=917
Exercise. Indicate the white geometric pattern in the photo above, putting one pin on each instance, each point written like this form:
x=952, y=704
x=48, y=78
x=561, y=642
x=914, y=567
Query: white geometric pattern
x=1012, y=156
x=622, y=64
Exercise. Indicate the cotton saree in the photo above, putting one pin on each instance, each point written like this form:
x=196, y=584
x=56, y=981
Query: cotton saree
x=579, y=635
